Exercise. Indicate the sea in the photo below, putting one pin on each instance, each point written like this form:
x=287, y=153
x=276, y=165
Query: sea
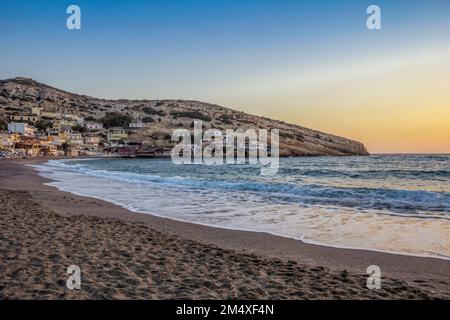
x=390, y=203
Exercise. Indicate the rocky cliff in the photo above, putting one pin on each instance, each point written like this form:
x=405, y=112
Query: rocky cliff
x=19, y=95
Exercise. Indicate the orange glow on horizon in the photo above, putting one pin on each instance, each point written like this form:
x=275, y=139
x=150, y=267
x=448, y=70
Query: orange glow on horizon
x=403, y=108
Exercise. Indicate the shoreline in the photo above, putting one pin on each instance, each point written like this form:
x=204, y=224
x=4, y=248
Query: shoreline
x=309, y=242
x=124, y=206
x=16, y=176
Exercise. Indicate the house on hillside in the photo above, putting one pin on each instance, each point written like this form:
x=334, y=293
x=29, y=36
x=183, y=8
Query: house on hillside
x=91, y=142
x=6, y=142
x=52, y=132
x=117, y=134
x=93, y=126
x=48, y=146
x=73, y=118
x=21, y=128
x=24, y=117
x=75, y=139
x=30, y=146
x=139, y=124
x=36, y=110
x=50, y=115
x=72, y=152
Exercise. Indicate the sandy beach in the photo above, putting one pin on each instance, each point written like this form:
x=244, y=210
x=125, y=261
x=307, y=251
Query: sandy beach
x=126, y=255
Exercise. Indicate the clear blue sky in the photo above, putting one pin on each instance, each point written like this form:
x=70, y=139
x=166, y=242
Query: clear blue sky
x=246, y=54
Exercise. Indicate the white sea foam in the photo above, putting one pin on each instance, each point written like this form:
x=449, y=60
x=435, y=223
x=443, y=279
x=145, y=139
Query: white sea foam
x=406, y=221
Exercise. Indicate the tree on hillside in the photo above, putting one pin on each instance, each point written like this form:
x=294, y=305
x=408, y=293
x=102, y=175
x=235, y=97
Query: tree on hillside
x=151, y=111
x=65, y=147
x=116, y=119
x=43, y=125
x=78, y=128
x=3, y=125
x=90, y=119
x=147, y=120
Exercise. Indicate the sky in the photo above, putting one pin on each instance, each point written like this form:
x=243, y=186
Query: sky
x=313, y=63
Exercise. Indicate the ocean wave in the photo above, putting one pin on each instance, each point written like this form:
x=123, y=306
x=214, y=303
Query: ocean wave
x=413, y=202
x=371, y=174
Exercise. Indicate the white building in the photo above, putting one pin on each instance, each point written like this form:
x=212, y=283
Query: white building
x=139, y=125
x=6, y=141
x=36, y=110
x=49, y=115
x=75, y=139
x=21, y=128
x=73, y=117
x=117, y=134
x=94, y=125
x=91, y=141
x=24, y=117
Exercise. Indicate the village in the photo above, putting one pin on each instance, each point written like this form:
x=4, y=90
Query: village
x=39, y=132
x=33, y=130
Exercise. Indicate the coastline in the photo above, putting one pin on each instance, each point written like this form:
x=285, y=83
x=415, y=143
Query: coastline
x=411, y=273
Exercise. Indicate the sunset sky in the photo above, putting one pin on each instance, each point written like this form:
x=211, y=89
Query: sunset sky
x=313, y=63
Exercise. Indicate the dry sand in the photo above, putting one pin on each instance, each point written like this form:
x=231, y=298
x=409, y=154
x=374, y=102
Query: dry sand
x=125, y=255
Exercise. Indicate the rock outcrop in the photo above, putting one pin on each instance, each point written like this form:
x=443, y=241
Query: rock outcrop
x=163, y=116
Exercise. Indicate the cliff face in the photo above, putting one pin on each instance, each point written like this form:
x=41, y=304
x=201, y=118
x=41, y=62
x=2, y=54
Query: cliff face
x=163, y=116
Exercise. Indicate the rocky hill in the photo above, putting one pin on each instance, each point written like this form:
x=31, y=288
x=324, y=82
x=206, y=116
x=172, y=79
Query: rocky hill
x=19, y=95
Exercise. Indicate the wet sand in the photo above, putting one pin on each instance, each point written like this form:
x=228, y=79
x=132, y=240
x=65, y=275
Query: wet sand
x=126, y=255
